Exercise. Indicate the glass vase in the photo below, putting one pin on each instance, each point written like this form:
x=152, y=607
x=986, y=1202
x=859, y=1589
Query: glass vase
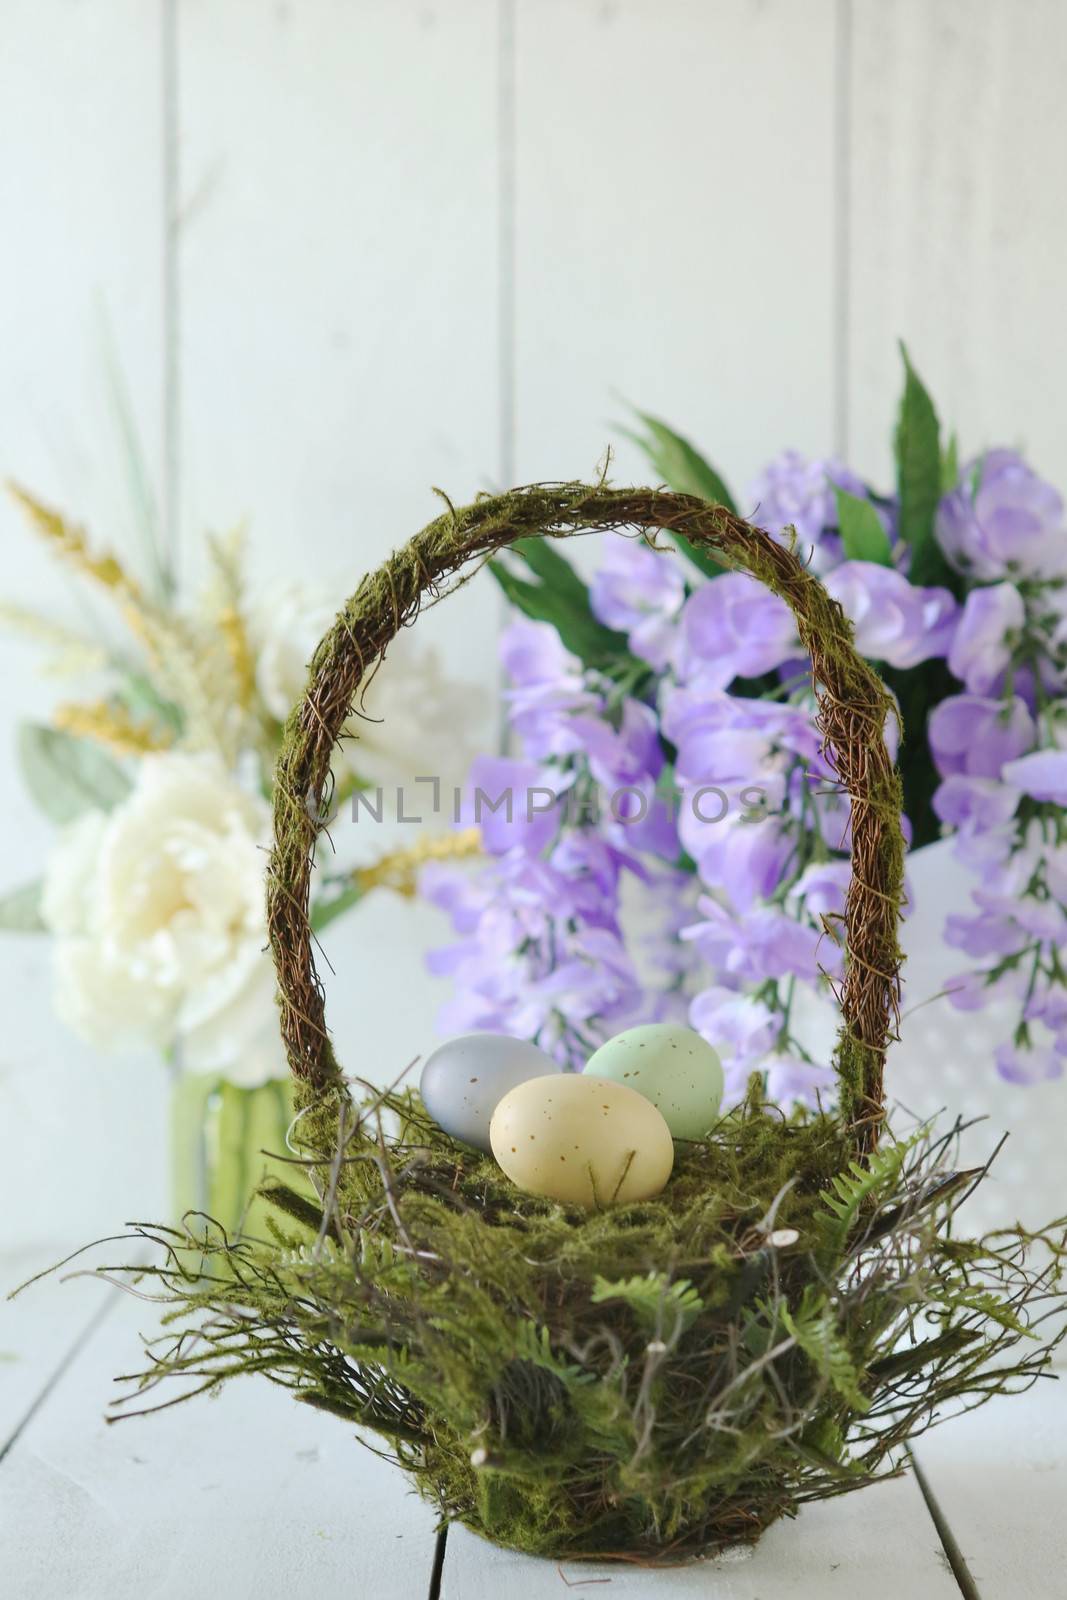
x=225, y=1140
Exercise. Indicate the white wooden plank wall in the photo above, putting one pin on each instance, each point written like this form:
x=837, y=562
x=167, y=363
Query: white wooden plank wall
x=674, y=227
x=957, y=235
x=81, y=197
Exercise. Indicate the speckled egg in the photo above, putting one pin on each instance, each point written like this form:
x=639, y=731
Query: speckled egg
x=465, y=1079
x=670, y=1065
x=584, y=1141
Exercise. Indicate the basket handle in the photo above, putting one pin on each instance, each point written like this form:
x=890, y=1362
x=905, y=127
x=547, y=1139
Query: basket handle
x=853, y=705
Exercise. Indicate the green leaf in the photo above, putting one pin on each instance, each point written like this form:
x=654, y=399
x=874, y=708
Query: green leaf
x=859, y=1186
x=912, y=1358
x=660, y=1306
x=862, y=535
x=140, y=695
x=699, y=557
x=68, y=776
x=918, y=690
x=681, y=466
x=323, y=912
x=815, y=1330
x=966, y=1297
x=569, y=612
x=20, y=910
x=918, y=456
x=534, y=1344
x=545, y=561
x=950, y=465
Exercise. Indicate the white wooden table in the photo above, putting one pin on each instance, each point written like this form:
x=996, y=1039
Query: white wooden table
x=253, y=1495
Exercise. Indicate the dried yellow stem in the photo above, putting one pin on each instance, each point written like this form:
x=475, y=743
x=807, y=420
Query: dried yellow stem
x=72, y=542
x=112, y=726
x=399, y=869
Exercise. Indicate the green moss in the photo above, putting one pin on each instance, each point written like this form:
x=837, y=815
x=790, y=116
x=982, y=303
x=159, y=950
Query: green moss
x=656, y=1380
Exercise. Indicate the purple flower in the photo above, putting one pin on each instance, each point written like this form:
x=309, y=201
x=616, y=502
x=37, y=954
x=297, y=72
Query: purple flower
x=1042, y=775
x=968, y=991
x=548, y=689
x=626, y=755
x=1048, y=1004
x=793, y=491
x=1053, y=859
x=977, y=736
x=460, y=896
x=732, y=739
x=548, y=943
x=821, y=888
x=733, y=628
x=594, y=977
x=975, y=990
x=986, y=635
x=989, y=934
x=741, y=1028
x=542, y=957
x=763, y=943
x=744, y=860
x=639, y=591
x=642, y=822
x=894, y=621
x=590, y=869
x=532, y=653
x=975, y=805
x=791, y=1079
x=1003, y=521
x=1036, y=1064
x=1043, y=920
x=514, y=803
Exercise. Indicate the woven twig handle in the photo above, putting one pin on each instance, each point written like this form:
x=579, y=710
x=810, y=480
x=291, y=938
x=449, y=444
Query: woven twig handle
x=853, y=708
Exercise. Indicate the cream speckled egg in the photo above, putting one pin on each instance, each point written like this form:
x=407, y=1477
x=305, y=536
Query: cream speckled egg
x=464, y=1080
x=584, y=1141
x=670, y=1065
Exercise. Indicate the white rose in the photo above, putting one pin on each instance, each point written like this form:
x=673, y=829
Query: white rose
x=413, y=721
x=285, y=625
x=158, y=912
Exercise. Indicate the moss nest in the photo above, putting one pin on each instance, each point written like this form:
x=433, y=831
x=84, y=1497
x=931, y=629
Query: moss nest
x=652, y=1382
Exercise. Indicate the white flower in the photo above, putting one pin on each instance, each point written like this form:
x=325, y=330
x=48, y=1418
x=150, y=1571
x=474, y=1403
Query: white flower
x=285, y=625
x=412, y=720
x=415, y=720
x=158, y=912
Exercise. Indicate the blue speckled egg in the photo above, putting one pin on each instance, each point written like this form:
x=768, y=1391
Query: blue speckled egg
x=464, y=1081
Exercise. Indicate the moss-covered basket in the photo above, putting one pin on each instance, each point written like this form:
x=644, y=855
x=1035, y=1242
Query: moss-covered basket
x=659, y=1380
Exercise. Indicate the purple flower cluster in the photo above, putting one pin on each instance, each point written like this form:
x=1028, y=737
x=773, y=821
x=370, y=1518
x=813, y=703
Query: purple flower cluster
x=542, y=953
x=997, y=748
x=793, y=493
x=587, y=919
x=1003, y=521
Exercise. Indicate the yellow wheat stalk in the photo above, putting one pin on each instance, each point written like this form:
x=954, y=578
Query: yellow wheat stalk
x=399, y=870
x=70, y=651
x=111, y=726
x=72, y=543
x=235, y=637
x=227, y=608
x=187, y=666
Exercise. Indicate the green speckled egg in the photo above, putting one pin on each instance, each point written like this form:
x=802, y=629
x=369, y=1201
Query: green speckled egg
x=670, y=1065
